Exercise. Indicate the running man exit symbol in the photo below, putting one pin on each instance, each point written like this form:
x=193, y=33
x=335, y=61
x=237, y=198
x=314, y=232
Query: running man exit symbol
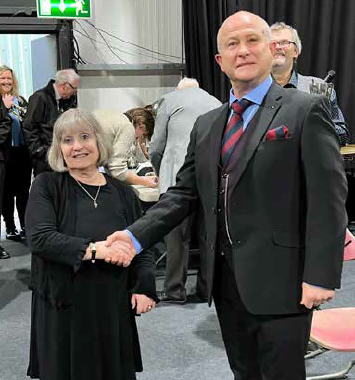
x=64, y=9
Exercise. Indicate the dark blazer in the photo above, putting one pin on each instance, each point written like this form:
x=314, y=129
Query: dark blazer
x=42, y=112
x=286, y=211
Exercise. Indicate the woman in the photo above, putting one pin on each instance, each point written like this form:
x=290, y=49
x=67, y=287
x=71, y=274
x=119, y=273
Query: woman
x=82, y=324
x=18, y=163
x=120, y=133
x=143, y=122
x=5, y=129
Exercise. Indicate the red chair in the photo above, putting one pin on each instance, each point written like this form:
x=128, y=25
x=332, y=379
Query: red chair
x=334, y=329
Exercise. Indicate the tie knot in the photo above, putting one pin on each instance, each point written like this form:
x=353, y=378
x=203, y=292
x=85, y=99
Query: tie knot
x=240, y=106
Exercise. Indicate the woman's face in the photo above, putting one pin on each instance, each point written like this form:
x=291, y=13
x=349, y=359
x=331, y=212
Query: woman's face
x=140, y=130
x=6, y=82
x=80, y=150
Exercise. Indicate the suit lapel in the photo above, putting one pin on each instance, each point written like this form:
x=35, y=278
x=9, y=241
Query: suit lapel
x=265, y=115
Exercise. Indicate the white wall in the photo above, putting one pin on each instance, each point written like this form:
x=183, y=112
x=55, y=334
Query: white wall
x=153, y=24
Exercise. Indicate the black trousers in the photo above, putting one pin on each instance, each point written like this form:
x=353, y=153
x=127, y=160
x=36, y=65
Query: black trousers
x=259, y=347
x=17, y=185
x=177, y=245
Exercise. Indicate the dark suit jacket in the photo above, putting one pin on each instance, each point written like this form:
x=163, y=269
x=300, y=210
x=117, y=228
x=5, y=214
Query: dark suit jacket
x=286, y=205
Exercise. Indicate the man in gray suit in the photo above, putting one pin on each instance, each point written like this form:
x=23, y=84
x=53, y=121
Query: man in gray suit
x=288, y=49
x=175, y=119
x=267, y=170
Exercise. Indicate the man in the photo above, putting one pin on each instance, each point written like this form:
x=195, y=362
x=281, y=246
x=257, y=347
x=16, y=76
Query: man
x=44, y=108
x=273, y=201
x=175, y=119
x=288, y=49
x=5, y=145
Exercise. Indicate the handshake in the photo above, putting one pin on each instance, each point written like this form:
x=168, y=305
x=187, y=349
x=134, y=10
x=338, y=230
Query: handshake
x=118, y=249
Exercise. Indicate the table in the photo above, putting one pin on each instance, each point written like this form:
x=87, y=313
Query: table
x=348, y=149
x=146, y=194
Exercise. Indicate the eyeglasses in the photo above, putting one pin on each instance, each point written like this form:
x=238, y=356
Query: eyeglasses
x=72, y=87
x=284, y=43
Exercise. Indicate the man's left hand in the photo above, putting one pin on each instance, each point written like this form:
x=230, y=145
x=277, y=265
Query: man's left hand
x=313, y=296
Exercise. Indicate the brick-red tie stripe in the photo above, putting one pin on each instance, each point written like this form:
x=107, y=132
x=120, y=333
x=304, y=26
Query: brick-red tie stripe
x=234, y=128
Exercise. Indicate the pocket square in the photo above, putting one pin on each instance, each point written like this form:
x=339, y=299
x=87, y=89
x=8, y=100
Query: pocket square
x=279, y=133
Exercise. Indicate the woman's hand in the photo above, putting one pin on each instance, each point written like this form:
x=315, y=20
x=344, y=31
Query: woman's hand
x=119, y=253
x=142, y=303
x=149, y=181
x=8, y=100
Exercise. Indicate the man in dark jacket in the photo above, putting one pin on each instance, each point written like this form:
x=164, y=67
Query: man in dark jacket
x=44, y=108
x=5, y=144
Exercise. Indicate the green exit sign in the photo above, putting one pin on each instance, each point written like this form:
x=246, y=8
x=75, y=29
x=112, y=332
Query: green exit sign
x=64, y=8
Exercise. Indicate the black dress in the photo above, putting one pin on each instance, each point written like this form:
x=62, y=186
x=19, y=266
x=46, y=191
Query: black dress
x=95, y=337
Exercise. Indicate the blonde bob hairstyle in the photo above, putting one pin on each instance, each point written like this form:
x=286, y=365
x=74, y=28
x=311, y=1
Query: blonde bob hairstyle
x=71, y=121
x=15, y=90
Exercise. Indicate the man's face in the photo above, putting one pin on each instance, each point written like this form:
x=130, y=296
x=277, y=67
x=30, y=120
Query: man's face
x=284, y=55
x=68, y=89
x=244, y=55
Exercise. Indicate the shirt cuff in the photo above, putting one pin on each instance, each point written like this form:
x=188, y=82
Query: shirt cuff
x=317, y=286
x=136, y=243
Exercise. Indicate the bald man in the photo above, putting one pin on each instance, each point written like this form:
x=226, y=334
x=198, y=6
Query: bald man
x=270, y=179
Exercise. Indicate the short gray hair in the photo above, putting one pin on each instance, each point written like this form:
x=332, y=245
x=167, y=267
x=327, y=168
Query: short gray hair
x=67, y=75
x=187, y=82
x=296, y=39
x=70, y=121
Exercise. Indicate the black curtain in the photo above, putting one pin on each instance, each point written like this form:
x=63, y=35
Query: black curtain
x=202, y=19
x=326, y=29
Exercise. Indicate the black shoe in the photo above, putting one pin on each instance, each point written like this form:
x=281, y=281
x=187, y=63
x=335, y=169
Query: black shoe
x=23, y=234
x=163, y=297
x=3, y=253
x=13, y=235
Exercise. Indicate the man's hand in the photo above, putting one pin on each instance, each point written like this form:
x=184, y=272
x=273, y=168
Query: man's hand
x=142, y=303
x=121, y=240
x=118, y=253
x=313, y=296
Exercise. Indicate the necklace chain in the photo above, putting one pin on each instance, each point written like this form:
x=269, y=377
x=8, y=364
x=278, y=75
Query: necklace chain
x=88, y=194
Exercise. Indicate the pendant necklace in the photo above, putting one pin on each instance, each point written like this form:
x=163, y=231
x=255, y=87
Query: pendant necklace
x=88, y=194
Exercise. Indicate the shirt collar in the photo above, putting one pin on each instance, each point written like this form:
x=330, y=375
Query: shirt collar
x=256, y=95
x=293, y=82
x=57, y=96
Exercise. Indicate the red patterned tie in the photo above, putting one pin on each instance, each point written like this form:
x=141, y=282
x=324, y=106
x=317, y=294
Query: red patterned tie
x=234, y=129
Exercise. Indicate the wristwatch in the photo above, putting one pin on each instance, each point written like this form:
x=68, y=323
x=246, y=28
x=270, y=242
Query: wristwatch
x=92, y=247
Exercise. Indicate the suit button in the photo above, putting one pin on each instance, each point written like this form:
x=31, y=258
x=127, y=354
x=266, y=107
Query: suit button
x=222, y=253
x=222, y=191
x=219, y=210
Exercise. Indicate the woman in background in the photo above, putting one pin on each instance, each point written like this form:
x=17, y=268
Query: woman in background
x=82, y=319
x=143, y=122
x=121, y=136
x=18, y=164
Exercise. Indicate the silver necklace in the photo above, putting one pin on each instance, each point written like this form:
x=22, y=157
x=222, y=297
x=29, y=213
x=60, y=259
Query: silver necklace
x=88, y=194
